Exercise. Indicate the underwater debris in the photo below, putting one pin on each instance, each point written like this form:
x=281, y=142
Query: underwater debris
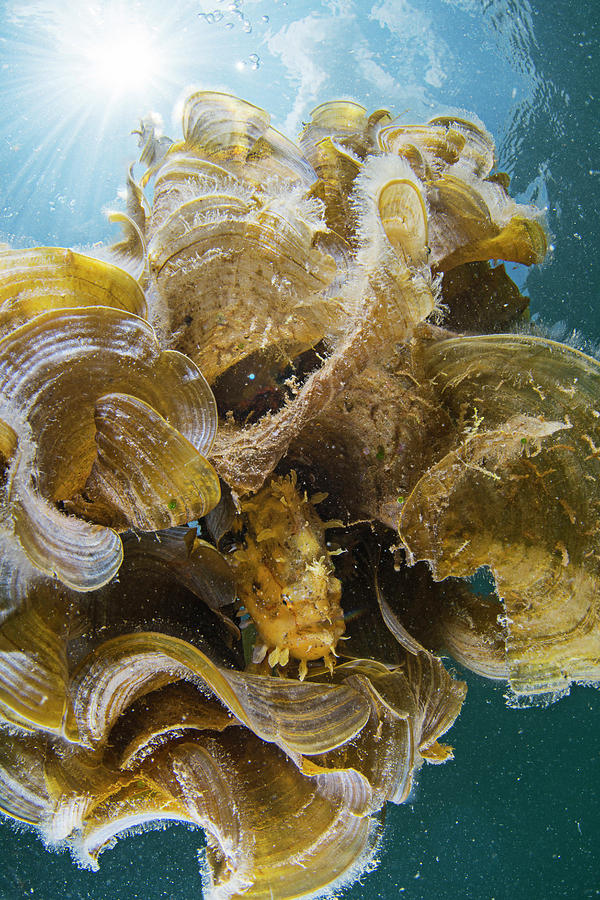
x=308, y=283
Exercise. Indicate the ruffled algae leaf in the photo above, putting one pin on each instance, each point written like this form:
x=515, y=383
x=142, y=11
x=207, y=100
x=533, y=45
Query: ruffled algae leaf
x=46, y=278
x=23, y=791
x=176, y=756
x=146, y=474
x=165, y=581
x=517, y=490
x=131, y=249
x=33, y=664
x=300, y=717
x=65, y=361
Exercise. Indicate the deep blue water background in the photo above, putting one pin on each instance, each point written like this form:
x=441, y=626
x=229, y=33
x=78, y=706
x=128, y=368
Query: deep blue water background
x=517, y=813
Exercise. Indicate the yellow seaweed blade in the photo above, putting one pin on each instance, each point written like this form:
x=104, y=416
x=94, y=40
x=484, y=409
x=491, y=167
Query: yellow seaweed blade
x=176, y=232
x=241, y=278
x=222, y=126
x=335, y=167
x=277, y=832
x=146, y=471
x=378, y=118
x=478, y=145
x=518, y=493
x=411, y=707
x=153, y=143
x=23, y=792
x=472, y=630
x=459, y=217
x=183, y=397
x=485, y=461
x=398, y=302
x=135, y=805
x=273, y=156
x=243, y=792
x=439, y=697
x=522, y=241
x=64, y=361
x=161, y=585
x=132, y=247
x=338, y=115
x=303, y=718
x=404, y=219
x=429, y=150
x=94, y=351
x=34, y=641
x=336, y=172
x=90, y=801
x=33, y=667
x=346, y=124
x=8, y=444
x=81, y=555
x=385, y=751
x=393, y=410
x=45, y=278
x=162, y=716
x=474, y=219
x=184, y=176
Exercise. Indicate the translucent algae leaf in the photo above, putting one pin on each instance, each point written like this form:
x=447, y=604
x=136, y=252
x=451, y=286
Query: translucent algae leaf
x=300, y=717
x=517, y=490
x=146, y=474
x=286, y=780
x=66, y=360
x=45, y=278
x=33, y=664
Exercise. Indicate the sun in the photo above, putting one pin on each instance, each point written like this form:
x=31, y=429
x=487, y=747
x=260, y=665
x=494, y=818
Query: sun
x=113, y=52
x=77, y=76
x=123, y=63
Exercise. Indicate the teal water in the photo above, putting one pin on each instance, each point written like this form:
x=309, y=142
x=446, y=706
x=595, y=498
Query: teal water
x=516, y=814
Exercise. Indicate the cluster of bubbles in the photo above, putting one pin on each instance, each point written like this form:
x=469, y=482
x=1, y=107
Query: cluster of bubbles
x=230, y=17
x=233, y=15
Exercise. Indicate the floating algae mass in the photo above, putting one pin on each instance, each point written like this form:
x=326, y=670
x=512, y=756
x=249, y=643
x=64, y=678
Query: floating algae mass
x=178, y=571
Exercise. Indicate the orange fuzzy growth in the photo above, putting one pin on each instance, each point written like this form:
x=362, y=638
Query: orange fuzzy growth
x=285, y=576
